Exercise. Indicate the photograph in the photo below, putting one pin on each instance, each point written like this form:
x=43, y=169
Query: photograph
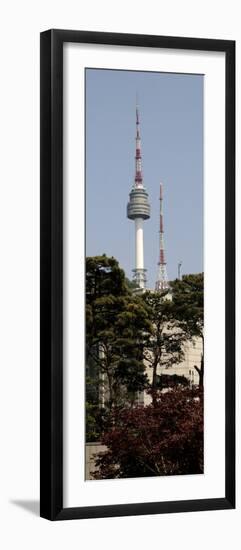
x=144, y=274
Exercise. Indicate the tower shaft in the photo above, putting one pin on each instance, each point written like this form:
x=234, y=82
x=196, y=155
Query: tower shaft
x=162, y=279
x=139, y=243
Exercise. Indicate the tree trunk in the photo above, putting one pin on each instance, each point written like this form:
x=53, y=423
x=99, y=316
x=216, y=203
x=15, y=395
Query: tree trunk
x=154, y=381
x=200, y=371
x=201, y=374
x=202, y=365
x=109, y=378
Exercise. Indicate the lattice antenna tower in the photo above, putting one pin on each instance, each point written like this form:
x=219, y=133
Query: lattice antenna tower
x=162, y=279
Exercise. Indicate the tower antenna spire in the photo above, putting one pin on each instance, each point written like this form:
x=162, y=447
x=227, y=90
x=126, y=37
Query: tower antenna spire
x=138, y=166
x=162, y=280
x=138, y=209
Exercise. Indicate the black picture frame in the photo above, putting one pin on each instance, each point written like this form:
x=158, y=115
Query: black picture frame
x=51, y=325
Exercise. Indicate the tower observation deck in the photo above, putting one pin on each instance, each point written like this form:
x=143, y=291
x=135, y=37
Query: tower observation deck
x=138, y=210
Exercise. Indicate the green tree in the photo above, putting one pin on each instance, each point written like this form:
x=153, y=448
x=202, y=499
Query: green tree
x=165, y=343
x=131, y=285
x=116, y=325
x=188, y=302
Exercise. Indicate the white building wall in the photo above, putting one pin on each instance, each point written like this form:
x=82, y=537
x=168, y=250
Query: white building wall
x=193, y=353
x=192, y=356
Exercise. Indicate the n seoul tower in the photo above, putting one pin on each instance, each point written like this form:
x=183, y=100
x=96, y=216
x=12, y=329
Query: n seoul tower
x=138, y=210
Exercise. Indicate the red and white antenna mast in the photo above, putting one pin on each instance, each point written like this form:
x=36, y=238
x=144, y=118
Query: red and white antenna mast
x=162, y=280
x=138, y=168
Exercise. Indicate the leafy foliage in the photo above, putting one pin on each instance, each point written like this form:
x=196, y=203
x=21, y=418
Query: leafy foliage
x=125, y=333
x=165, y=345
x=170, y=380
x=188, y=302
x=116, y=325
x=164, y=438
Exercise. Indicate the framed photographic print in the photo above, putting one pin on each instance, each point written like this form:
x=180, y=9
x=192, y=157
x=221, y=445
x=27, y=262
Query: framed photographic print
x=137, y=274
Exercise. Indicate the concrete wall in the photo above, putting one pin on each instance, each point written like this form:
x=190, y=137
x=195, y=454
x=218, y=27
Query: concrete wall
x=192, y=356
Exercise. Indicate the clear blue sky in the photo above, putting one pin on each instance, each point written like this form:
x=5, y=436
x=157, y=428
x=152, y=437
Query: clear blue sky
x=171, y=119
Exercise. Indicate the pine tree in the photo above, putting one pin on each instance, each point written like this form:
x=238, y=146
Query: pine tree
x=165, y=344
x=188, y=302
x=116, y=327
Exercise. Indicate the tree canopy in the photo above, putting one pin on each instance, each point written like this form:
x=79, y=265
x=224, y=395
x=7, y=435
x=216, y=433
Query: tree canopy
x=116, y=327
x=164, y=438
x=188, y=302
x=126, y=332
x=165, y=344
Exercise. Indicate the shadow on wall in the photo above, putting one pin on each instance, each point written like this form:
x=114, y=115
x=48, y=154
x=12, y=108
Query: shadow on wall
x=32, y=506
